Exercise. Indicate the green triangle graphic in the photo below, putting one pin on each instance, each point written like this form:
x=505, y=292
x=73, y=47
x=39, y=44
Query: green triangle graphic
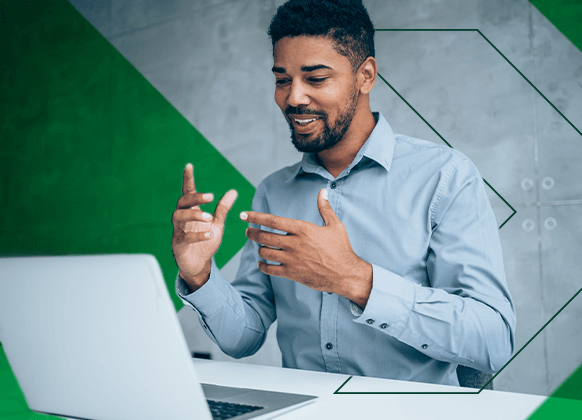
x=565, y=402
x=566, y=15
x=92, y=154
x=572, y=387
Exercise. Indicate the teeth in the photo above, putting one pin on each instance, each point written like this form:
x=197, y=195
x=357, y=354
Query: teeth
x=304, y=121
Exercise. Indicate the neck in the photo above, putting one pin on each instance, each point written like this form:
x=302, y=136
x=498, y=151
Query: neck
x=339, y=157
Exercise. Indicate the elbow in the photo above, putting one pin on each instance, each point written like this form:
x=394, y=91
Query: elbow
x=248, y=345
x=501, y=353
x=499, y=360
x=240, y=351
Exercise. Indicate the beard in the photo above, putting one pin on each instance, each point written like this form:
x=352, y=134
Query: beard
x=331, y=135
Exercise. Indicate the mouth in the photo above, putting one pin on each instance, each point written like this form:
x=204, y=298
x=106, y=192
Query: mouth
x=303, y=121
x=304, y=124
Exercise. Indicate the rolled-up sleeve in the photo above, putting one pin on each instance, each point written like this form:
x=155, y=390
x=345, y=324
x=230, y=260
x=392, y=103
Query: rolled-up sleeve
x=466, y=315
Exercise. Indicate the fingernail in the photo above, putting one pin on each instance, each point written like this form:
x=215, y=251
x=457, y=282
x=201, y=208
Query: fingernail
x=209, y=234
x=244, y=216
x=208, y=196
x=325, y=194
x=206, y=216
x=188, y=164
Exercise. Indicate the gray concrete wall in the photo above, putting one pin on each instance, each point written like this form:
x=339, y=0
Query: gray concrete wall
x=211, y=59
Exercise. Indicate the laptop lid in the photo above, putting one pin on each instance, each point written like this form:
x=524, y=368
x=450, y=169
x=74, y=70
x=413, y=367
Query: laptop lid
x=97, y=337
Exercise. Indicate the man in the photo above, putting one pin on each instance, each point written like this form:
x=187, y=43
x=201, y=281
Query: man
x=378, y=253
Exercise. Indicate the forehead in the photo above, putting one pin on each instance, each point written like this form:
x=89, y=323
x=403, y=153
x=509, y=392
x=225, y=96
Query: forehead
x=304, y=51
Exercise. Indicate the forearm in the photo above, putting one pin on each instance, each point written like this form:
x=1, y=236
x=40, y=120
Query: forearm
x=228, y=319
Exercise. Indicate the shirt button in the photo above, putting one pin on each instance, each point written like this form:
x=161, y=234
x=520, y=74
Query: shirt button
x=383, y=326
x=329, y=346
x=370, y=321
x=333, y=185
x=329, y=293
x=424, y=346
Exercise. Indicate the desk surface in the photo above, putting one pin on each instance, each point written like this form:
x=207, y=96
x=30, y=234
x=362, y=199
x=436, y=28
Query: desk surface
x=486, y=405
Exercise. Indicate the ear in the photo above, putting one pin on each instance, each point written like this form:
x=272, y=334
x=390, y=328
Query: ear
x=367, y=75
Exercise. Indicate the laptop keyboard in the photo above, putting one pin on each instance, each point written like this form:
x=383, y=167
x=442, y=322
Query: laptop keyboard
x=223, y=410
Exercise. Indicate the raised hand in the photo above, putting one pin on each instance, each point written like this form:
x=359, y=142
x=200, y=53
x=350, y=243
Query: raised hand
x=197, y=234
x=320, y=257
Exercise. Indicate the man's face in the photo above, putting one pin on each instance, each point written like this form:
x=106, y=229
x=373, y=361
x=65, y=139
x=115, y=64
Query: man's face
x=316, y=90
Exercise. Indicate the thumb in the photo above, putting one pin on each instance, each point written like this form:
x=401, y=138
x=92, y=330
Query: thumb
x=325, y=210
x=223, y=207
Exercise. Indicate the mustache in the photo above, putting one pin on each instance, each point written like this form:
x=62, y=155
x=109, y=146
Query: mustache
x=303, y=111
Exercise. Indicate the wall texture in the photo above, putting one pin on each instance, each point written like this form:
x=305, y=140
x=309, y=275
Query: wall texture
x=211, y=60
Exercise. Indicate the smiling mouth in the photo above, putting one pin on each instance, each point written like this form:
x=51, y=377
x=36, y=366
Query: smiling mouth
x=305, y=121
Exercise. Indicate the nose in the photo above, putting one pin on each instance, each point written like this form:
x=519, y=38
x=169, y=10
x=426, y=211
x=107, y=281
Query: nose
x=297, y=94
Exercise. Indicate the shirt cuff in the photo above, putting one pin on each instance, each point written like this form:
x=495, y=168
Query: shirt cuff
x=390, y=303
x=356, y=310
x=182, y=288
x=209, y=298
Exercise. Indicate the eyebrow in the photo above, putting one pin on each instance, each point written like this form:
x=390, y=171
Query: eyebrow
x=306, y=69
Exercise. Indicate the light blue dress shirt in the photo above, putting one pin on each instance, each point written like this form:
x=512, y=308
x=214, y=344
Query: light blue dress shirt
x=417, y=212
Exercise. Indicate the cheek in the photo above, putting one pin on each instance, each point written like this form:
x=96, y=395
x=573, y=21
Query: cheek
x=280, y=99
x=332, y=101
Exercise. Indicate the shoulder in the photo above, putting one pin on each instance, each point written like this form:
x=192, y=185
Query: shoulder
x=444, y=171
x=407, y=146
x=428, y=158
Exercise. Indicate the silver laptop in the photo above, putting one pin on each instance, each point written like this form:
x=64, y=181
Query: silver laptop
x=97, y=337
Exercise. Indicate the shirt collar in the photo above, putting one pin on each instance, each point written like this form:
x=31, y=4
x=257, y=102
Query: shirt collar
x=379, y=147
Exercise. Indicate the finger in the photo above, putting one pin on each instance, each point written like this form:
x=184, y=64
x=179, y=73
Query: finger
x=195, y=199
x=325, y=209
x=188, y=180
x=268, y=238
x=271, y=269
x=191, y=215
x=274, y=222
x=193, y=237
x=224, y=206
x=271, y=254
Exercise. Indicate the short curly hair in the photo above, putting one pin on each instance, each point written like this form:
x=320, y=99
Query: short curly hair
x=346, y=22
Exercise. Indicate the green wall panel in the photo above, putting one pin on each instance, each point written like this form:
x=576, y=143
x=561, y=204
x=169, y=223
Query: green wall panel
x=92, y=153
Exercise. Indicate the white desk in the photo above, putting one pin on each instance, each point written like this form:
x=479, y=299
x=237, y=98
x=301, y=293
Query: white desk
x=487, y=405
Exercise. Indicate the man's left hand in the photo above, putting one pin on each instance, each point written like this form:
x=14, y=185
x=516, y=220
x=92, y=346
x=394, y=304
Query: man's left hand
x=320, y=257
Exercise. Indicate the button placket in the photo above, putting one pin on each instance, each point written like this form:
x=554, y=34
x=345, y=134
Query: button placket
x=334, y=195
x=328, y=328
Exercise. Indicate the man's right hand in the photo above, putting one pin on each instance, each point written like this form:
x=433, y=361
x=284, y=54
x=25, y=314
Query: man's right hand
x=197, y=235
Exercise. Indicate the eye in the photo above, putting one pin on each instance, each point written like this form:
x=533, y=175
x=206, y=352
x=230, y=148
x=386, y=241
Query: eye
x=317, y=79
x=281, y=81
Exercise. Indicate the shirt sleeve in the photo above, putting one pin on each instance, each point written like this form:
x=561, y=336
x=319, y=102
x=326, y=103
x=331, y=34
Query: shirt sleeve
x=467, y=315
x=236, y=315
